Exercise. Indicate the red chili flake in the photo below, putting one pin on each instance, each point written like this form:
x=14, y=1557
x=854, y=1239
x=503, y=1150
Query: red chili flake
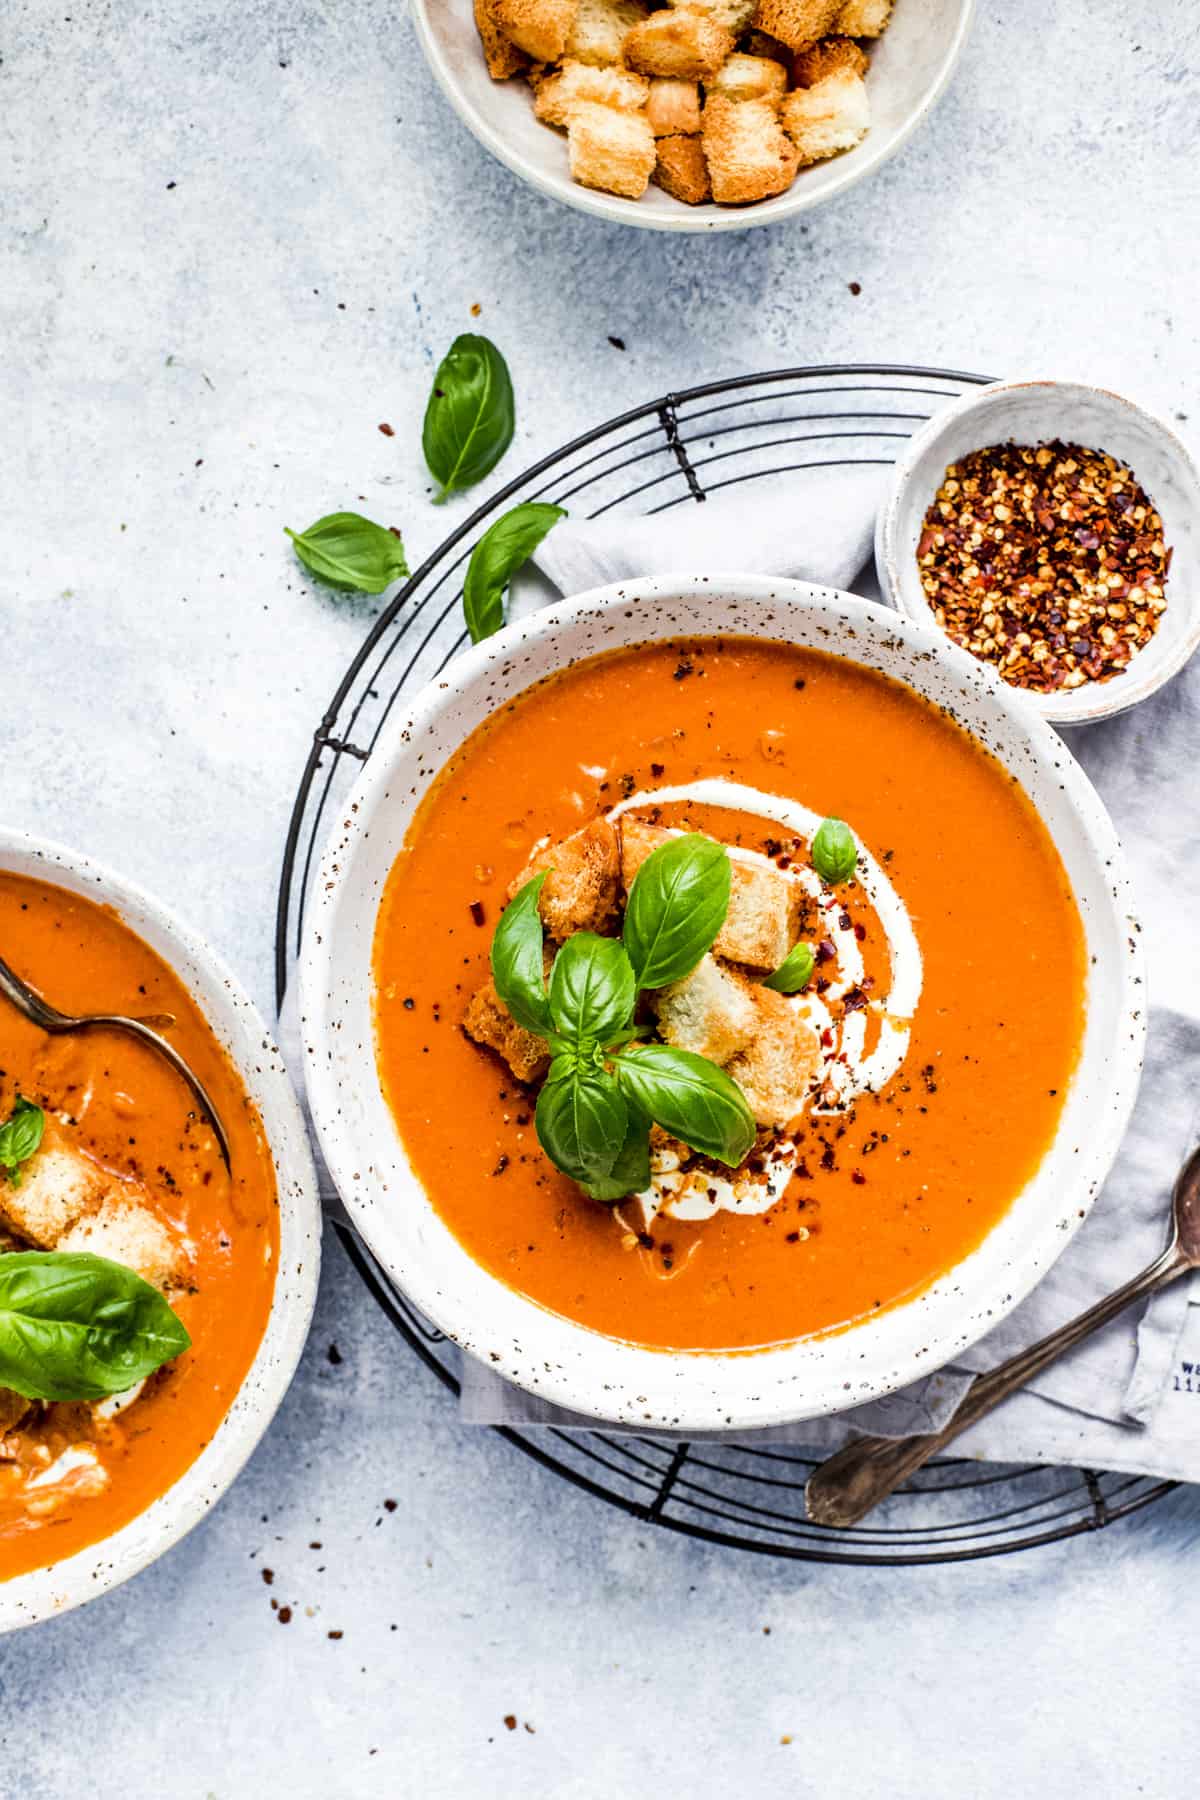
x=858, y=1178
x=284, y=1615
x=793, y=1237
x=658, y=769
x=477, y=912
x=860, y=931
x=844, y=920
x=390, y=1505
x=826, y=950
x=827, y=1161
x=802, y=1170
x=855, y=1000
x=827, y=1039
x=268, y=1575
x=510, y=1721
x=335, y=1635
x=387, y=431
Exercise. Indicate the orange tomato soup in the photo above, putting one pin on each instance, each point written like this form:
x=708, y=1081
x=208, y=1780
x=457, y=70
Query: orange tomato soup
x=133, y=1116
x=887, y=1196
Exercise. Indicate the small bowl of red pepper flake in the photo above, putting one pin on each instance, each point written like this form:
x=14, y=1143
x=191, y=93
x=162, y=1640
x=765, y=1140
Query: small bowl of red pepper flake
x=1052, y=531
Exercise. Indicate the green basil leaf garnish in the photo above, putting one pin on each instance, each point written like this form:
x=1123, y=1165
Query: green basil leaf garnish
x=470, y=417
x=20, y=1137
x=581, y=1121
x=79, y=1327
x=676, y=907
x=834, y=852
x=517, y=960
x=496, y=558
x=794, y=972
x=630, y=1173
x=592, y=989
x=351, y=553
x=689, y=1097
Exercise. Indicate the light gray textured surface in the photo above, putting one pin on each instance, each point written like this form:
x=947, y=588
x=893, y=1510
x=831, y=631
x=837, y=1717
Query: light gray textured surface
x=187, y=368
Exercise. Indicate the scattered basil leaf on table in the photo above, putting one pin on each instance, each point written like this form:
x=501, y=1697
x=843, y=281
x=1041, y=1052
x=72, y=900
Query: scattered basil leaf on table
x=676, y=907
x=630, y=1173
x=79, y=1327
x=470, y=416
x=20, y=1137
x=794, y=972
x=581, y=1121
x=517, y=960
x=500, y=552
x=834, y=852
x=592, y=989
x=689, y=1097
x=351, y=553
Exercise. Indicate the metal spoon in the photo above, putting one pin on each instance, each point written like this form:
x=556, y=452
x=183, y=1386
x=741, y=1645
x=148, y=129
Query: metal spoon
x=48, y=1018
x=866, y=1470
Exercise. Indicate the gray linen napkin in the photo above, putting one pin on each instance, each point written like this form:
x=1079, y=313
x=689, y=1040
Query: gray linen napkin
x=1127, y=1399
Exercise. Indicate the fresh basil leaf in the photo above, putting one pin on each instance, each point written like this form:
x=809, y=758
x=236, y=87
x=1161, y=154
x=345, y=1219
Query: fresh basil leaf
x=794, y=972
x=517, y=960
x=677, y=905
x=834, y=852
x=496, y=558
x=20, y=1137
x=470, y=417
x=630, y=1173
x=77, y=1327
x=592, y=989
x=351, y=553
x=581, y=1122
x=689, y=1097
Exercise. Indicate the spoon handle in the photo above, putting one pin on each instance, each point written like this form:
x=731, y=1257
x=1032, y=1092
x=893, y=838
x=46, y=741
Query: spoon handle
x=867, y=1469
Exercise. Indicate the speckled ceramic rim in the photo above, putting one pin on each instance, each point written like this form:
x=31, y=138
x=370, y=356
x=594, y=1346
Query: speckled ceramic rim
x=835, y=176
x=47, y=1593
x=567, y=1363
x=1077, y=413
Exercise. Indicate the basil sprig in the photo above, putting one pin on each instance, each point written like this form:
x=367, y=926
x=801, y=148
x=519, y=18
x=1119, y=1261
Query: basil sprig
x=470, y=416
x=834, y=852
x=496, y=558
x=794, y=972
x=351, y=553
x=677, y=905
x=603, y=1088
x=20, y=1137
x=78, y=1327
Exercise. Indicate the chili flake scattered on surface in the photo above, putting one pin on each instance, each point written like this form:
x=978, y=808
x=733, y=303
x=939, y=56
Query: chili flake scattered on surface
x=1048, y=562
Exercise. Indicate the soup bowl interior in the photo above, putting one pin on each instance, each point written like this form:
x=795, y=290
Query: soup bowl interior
x=568, y=1363
x=238, y=1027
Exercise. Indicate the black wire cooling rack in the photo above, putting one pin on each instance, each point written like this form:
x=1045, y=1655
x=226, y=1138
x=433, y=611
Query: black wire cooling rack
x=676, y=451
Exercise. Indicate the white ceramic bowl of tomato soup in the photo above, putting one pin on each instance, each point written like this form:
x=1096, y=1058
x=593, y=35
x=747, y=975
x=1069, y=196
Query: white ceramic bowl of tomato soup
x=241, y=1033
x=567, y=1362
x=910, y=67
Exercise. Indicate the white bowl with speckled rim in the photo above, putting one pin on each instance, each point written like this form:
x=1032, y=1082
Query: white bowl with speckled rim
x=568, y=1363
x=47, y=1593
x=910, y=66
x=1035, y=411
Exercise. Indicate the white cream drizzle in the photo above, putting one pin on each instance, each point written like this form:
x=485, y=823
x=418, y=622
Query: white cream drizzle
x=847, y=1070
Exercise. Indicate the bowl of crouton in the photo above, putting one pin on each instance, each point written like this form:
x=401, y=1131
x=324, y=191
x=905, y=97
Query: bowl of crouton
x=694, y=115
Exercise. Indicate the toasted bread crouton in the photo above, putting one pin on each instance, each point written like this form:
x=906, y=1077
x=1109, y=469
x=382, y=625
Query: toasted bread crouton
x=749, y=78
x=762, y=907
x=576, y=81
x=682, y=171
x=490, y=1023
x=610, y=150
x=709, y=1011
x=666, y=1153
x=828, y=118
x=796, y=23
x=749, y=157
x=732, y=15
x=673, y=108
x=13, y=1408
x=760, y=43
x=598, y=34
x=828, y=57
x=863, y=18
x=775, y=1069
x=58, y=1184
x=539, y=27
x=125, y=1231
x=580, y=890
x=503, y=58
x=685, y=44
x=637, y=841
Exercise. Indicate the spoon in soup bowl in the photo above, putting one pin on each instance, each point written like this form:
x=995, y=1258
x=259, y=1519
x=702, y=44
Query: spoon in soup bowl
x=866, y=1470
x=48, y=1018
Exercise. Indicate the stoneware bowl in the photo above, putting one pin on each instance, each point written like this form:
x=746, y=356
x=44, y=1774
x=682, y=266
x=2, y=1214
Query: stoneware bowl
x=568, y=1363
x=1033, y=412
x=44, y=1593
x=910, y=65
